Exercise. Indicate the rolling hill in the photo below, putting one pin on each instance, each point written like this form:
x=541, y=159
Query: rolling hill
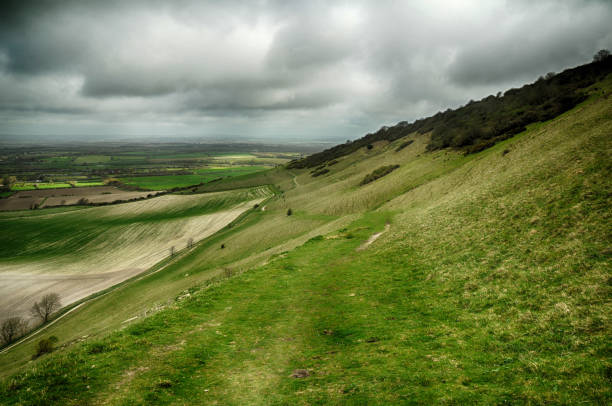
x=453, y=278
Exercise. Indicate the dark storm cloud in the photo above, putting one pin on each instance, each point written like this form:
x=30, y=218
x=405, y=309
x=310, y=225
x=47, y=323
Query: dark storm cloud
x=274, y=67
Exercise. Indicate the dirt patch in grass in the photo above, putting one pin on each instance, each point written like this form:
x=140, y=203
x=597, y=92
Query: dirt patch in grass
x=373, y=238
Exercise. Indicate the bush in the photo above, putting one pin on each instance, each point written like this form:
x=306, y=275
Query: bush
x=378, y=173
x=12, y=328
x=403, y=145
x=289, y=212
x=44, y=346
x=320, y=172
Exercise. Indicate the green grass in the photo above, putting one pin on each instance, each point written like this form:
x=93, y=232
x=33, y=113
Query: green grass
x=491, y=286
x=92, y=159
x=89, y=183
x=40, y=185
x=55, y=185
x=59, y=160
x=201, y=176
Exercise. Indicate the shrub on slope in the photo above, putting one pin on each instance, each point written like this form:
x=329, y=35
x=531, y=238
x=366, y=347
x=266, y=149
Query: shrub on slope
x=378, y=173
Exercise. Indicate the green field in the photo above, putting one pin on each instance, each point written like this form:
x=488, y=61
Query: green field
x=490, y=284
x=204, y=175
x=54, y=185
x=92, y=159
x=39, y=185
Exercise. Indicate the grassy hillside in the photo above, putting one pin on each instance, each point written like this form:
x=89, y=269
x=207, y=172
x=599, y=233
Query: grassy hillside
x=490, y=285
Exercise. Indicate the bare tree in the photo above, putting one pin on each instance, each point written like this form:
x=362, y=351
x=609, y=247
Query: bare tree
x=12, y=328
x=47, y=305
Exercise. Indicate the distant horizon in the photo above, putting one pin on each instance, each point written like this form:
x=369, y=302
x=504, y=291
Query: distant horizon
x=160, y=139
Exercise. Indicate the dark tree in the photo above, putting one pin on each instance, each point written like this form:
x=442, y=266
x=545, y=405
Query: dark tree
x=49, y=303
x=12, y=328
x=601, y=55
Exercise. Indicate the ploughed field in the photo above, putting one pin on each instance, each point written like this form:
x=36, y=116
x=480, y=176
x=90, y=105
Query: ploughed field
x=78, y=252
x=28, y=199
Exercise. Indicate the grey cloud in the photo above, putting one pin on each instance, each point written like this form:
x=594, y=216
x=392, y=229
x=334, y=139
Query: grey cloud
x=534, y=45
x=337, y=68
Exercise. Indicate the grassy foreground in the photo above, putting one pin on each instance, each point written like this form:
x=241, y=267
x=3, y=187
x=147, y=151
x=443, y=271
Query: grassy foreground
x=492, y=285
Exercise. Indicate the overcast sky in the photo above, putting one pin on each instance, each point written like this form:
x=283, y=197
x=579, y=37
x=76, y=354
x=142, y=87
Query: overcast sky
x=286, y=70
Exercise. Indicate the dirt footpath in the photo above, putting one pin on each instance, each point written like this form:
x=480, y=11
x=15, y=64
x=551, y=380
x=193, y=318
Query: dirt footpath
x=373, y=238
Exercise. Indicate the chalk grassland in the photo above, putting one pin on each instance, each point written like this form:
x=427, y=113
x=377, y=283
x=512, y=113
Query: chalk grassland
x=491, y=286
x=25, y=200
x=77, y=253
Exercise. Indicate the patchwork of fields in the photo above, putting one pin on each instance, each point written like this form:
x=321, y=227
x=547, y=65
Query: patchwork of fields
x=150, y=167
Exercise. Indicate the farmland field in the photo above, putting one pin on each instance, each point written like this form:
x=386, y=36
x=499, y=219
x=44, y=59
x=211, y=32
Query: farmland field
x=41, y=198
x=77, y=253
x=203, y=175
x=53, y=185
x=92, y=159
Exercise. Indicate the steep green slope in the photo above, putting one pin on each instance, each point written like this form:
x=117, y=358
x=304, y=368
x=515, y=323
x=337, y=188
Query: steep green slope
x=491, y=284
